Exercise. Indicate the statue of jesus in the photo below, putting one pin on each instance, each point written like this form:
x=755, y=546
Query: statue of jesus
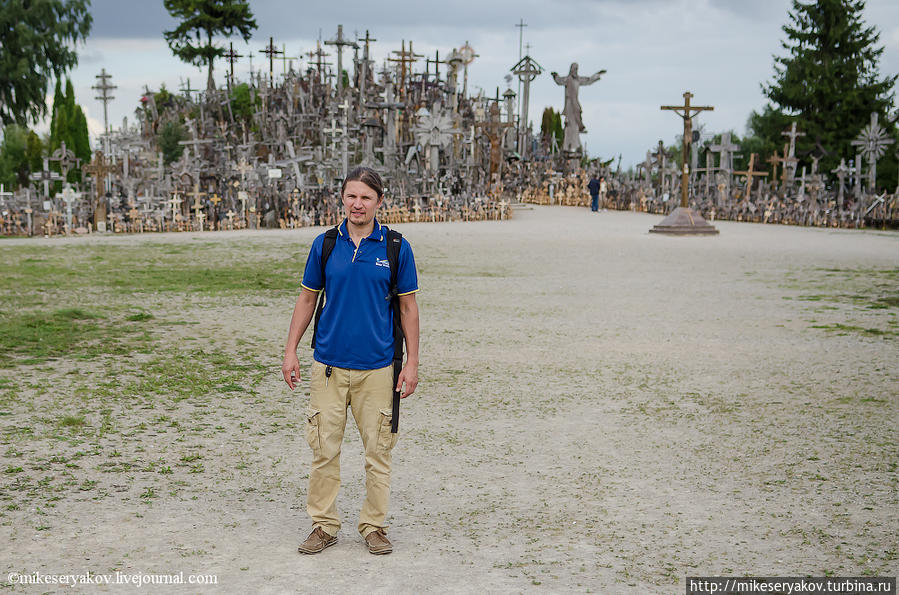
x=574, y=125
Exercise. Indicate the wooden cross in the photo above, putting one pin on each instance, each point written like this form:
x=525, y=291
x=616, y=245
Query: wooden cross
x=270, y=51
x=197, y=204
x=749, y=173
x=687, y=117
x=404, y=59
x=774, y=161
x=339, y=42
x=318, y=54
x=494, y=128
x=230, y=214
x=200, y=217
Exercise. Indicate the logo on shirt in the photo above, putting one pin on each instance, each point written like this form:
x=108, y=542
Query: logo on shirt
x=382, y=263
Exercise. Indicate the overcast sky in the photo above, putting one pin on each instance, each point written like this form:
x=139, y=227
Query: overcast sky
x=653, y=51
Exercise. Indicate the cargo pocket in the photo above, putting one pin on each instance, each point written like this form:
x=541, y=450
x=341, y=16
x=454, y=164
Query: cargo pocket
x=386, y=439
x=313, y=431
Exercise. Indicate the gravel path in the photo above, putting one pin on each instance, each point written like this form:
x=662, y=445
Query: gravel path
x=600, y=410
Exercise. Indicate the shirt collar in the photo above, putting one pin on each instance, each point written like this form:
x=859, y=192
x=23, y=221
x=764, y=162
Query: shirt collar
x=376, y=235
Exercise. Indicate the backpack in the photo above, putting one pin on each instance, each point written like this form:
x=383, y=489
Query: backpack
x=394, y=241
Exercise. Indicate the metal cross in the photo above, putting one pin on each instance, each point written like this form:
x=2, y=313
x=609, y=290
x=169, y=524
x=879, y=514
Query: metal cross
x=232, y=57
x=872, y=142
x=104, y=88
x=270, y=51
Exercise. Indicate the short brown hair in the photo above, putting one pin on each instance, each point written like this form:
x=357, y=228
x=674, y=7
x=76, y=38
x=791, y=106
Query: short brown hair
x=367, y=176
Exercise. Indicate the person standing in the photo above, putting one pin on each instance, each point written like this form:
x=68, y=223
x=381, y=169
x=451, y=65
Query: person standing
x=353, y=359
x=603, y=189
x=593, y=186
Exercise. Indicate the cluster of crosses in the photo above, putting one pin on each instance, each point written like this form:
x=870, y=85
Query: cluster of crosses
x=446, y=153
x=786, y=193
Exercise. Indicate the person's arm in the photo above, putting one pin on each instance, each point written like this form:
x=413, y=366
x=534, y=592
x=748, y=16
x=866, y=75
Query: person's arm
x=409, y=322
x=302, y=315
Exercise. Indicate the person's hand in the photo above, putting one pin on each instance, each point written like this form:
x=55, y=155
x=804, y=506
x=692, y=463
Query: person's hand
x=290, y=369
x=409, y=376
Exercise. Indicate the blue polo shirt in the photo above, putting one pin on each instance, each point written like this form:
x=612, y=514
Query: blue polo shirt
x=356, y=327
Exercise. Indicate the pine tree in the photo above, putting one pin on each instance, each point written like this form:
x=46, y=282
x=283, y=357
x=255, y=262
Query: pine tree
x=57, y=103
x=828, y=82
x=206, y=18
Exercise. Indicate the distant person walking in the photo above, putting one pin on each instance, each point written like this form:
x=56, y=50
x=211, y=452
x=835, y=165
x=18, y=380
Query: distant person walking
x=355, y=357
x=593, y=185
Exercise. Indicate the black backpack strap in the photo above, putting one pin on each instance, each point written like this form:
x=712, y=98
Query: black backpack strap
x=328, y=243
x=394, y=242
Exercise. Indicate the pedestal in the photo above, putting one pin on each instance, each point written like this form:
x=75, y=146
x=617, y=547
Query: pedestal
x=684, y=221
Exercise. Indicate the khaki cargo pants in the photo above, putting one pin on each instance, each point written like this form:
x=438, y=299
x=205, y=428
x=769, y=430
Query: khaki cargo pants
x=369, y=394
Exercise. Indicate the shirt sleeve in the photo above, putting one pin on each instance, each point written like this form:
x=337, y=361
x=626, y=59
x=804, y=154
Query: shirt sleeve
x=312, y=276
x=406, y=276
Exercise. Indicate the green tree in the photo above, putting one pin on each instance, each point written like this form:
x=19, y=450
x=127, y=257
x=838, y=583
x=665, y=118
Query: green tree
x=828, y=82
x=169, y=135
x=206, y=18
x=21, y=153
x=69, y=126
x=241, y=102
x=551, y=124
x=36, y=39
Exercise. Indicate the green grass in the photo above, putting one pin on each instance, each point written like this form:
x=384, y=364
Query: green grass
x=35, y=337
x=205, y=268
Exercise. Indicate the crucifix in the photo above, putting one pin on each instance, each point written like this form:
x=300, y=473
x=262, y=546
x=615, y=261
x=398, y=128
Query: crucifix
x=841, y=171
x=688, y=136
x=270, y=51
x=99, y=169
x=790, y=166
x=494, y=128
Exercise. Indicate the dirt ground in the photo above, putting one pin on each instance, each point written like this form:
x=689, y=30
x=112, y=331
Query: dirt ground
x=600, y=410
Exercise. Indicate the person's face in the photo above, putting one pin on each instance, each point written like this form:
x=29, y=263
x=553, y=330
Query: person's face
x=360, y=202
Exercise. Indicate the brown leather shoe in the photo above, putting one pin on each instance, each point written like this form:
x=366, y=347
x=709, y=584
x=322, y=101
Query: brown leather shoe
x=378, y=543
x=316, y=542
